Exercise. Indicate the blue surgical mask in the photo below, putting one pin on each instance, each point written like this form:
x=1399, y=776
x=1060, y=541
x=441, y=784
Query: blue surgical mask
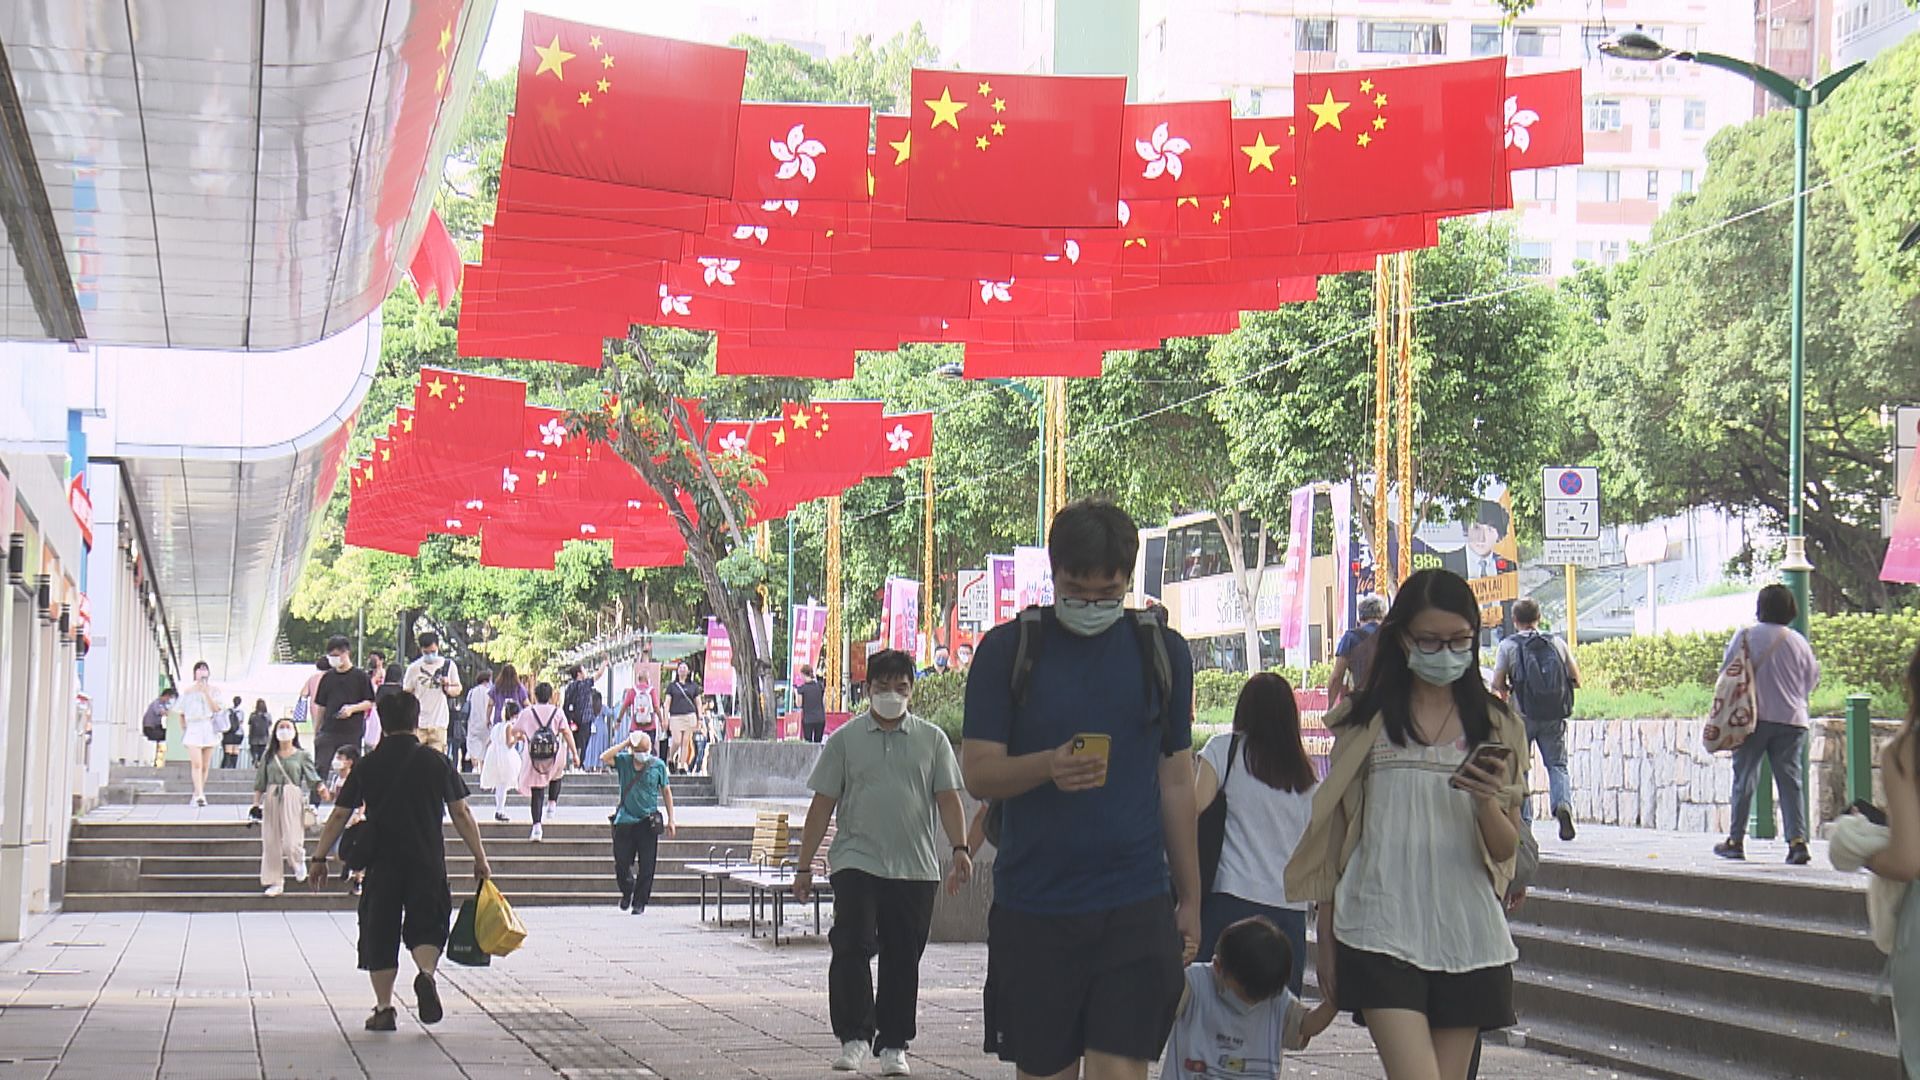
x=1087, y=620
x=1443, y=668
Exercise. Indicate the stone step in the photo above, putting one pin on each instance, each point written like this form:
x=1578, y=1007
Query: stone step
x=335, y=898
x=601, y=884
x=218, y=797
x=577, y=824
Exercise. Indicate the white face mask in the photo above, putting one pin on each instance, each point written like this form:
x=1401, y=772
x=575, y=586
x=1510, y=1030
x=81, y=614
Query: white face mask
x=284, y=734
x=340, y=663
x=888, y=705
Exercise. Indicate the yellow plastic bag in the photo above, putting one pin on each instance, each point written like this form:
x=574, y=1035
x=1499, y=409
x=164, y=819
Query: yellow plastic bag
x=495, y=924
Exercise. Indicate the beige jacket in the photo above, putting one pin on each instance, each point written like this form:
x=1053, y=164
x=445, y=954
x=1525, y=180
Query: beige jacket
x=1341, y=799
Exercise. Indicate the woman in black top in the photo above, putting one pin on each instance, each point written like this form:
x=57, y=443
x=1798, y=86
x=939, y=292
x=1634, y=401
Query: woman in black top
x=259, y=730
x=683, y=716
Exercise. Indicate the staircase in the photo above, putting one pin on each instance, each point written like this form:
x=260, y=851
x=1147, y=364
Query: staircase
x=137, y=863
x=1701, y=978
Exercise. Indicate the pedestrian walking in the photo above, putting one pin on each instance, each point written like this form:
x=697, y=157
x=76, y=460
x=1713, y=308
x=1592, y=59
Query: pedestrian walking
x=282, y=786
x=812, y=692
x=394, y=682
x=202, y=721
x=1355, y=650
x=642, y=708
x=233, y=735
x=540, y=733
x=1413, y=839
x=1537, y=675
x=1785, y=674
x=502, y=765
x=432, y=679
x=645, y=813
x=344, y=759
x=479, y=729
x=599, y=724
x=342, y=701
x=683, y=713
x=153, y=722
x=260, y=732
x=507, y=687
x=377, y=669
x=1239, y=1001
x=1079, y=721
x=406, y=898
x=1263, y=772
x=576, y=701
x=891, y=780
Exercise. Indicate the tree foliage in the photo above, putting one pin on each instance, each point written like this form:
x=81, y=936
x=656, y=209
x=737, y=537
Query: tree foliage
x=1865, y=136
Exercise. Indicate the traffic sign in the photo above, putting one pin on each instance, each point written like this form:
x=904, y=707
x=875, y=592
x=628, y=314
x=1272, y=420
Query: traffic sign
x=1571, y=553
x=1571, y=505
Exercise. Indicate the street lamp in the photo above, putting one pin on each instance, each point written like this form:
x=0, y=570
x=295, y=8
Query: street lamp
x=955, y=371
x=1637, y=45
x=1909, y=241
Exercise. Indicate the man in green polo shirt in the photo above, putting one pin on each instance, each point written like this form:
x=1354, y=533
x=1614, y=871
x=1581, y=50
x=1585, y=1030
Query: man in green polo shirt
x=893, y=779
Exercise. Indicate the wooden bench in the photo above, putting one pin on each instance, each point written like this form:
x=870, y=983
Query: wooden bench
x=771, y=887
x=770, y=846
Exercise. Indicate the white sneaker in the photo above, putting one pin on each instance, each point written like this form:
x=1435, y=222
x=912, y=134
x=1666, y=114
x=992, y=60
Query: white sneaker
x=894, y=1063
x=853, y=1054
x=276, y=890
x=300, y=874
x=536, y=834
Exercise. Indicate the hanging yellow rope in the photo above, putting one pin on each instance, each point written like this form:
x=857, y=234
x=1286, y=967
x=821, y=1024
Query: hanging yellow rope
x=830, y=648
x=929, y=607
x=1382, y=400
x=1404, y=411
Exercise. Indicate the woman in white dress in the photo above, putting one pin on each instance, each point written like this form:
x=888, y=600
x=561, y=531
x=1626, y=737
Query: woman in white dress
x=500, y=771
x=198, y=707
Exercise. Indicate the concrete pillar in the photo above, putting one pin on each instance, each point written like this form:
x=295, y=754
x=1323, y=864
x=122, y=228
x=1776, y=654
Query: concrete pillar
x=15, y=742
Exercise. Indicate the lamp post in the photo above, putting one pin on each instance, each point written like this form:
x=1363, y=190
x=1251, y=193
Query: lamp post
x=1636, y=45
x=953, y=371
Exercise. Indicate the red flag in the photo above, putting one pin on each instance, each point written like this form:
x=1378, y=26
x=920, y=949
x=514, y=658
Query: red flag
x=801, y=152
x=455, y=410
x=1033, y=150
x=628, y=108
x=1419, y=139
x=1263, y=156
x=1002, y=362
x=436, y=262
x=903, y=438
x=1175, y=149
x=1544, y=121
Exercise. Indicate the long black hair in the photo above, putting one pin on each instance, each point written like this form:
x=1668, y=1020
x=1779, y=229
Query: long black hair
x=1389, y=687
x=1268, y=720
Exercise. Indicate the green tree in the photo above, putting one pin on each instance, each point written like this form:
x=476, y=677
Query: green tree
x=873, y=75
x=1865, y=137
x=1688, y=393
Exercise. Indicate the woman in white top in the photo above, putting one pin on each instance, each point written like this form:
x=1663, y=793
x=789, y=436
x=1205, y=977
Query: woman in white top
x=198, y=707
x=1269, y=782
x=1412, y=843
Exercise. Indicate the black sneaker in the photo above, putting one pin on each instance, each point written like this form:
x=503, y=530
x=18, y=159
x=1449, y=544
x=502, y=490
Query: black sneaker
x=1797, y=854
x=1565, y=814
x=625, y=901
x=382, y=1020
x=501, y=817
x=1730, y=849
x=426, y=997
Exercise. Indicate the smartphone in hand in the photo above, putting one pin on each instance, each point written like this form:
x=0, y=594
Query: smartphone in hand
x=1489, y=758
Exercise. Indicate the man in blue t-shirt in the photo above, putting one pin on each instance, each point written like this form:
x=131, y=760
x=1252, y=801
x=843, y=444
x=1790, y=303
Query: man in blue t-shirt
x=1085, y=946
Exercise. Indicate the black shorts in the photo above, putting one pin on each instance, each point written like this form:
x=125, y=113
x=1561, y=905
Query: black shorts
x=1061, y=985
x=1482, y=999
x=397, y=907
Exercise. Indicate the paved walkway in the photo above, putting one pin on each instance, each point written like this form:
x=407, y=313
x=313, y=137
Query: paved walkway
x=594, y=994
x=1690, y=853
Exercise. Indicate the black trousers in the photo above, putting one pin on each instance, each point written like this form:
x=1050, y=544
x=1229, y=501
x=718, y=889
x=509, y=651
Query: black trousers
x=889, y=917
x=230, y=755
x=813, y=730
x=636, y=851
x=543, y=795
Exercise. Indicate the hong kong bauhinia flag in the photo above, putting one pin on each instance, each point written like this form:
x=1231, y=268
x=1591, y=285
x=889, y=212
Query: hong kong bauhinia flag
x=627, y=108
x=1543, y=121
x=1422, y=139
x=1027, y=150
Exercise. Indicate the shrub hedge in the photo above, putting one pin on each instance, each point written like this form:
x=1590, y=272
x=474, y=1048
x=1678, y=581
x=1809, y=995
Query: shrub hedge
x=1856, y=650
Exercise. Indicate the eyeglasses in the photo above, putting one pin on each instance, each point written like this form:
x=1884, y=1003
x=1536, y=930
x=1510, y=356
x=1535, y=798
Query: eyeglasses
x=1075, y=603
x=1431, y=645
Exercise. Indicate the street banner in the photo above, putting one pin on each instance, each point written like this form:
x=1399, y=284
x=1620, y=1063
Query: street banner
x=1001, y=579
x=1340, y=500
x=975, y=607
x=1032, y=578
x=901, y=610
x=1294, y=594
x=1903, y=551
x=809, y=633
x=717, y=678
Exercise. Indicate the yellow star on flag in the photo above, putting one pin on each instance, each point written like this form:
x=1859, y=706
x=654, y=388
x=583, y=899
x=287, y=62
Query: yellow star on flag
x=436, y=388
x=1380, y=101
x=586, y=98
x=779, y=436
x=999, y=128
x=440, y=79
x=594, y=43
x=1366, y=86
x=386, y=454
x=1364, y=139
x=945, y=109
x=1327, y=113
x=869, y=183
x=986, y=89
x=607, y=61
x=446, y=37
x=407, y=424
x=999, y=104
x=603, y=86
x=552, y=56
x=903, y=149
x=1188, y=200
x=799, y=419
x=982, y=142
x=1260, y=154
x=1379, y=123
x=1216, y=217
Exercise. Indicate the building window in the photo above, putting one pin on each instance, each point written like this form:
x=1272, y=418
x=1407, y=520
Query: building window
x=1653, y=114
x=1653, y=185
x=1599, y=185
x=1536, y=185
x=1609, y=252
x=1313, y=35
x=1255, y=97
x=1486, y=40
x=1692, y=38
x=1603, y=114
x=1791, y=37
x=1531, y=257
x=1404, y=38
x=1536, y=41
x=1694, y=116
x=1583, y=251
x=1590, y=39
x=1686, y=181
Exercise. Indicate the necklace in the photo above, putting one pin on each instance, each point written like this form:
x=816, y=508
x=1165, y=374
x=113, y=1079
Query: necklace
x=1431, y=739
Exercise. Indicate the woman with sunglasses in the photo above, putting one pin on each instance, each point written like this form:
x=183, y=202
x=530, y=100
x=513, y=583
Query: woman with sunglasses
x=1413, y=838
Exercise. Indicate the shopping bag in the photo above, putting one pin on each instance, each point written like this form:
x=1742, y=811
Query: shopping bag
x=463, y=946
x=496, y=926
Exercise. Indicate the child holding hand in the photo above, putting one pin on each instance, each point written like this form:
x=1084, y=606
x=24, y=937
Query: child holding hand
x=1237, y=1018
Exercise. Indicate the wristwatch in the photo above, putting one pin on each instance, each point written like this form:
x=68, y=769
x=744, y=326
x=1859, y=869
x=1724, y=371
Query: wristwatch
x=963, y=847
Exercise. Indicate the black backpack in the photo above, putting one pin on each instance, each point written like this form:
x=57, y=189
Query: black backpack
x=1360, y=657
x=543, y=744
x=1542, y=685
x=1149, y=628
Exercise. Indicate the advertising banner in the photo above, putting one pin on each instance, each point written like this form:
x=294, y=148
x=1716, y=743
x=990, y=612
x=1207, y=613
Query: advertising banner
x=1340, y=507
x=1903, y=550
x=901, y=609
x=975, y=608
x=1000, y=581
x=809, y=634
x=1032, y=578
x=1294, y=594
x=717, y=679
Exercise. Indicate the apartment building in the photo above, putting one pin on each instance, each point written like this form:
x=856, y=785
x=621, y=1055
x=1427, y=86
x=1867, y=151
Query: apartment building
x=1863, y=29
x=1647, y=124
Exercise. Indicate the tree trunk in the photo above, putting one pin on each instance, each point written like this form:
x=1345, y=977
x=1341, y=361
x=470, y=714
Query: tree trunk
x=1246, y=581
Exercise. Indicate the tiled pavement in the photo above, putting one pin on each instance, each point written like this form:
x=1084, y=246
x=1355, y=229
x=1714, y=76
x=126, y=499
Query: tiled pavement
x=594, y=994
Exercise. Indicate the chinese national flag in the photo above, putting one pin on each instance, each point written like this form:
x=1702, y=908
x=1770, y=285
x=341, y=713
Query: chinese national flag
x=627, y=108
x=1544, y=122
x=803, y=152
x=1263, y=157
x=1025, y=150
x=1404, y=140
x=457, y=412
x=1175, y=149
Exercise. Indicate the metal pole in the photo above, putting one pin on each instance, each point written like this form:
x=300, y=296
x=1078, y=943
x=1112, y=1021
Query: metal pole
x=1653, y=598
x=1573, y=607
x=1859, y=747
x=1040, y=447
x=1796, y=576
x=791, y=703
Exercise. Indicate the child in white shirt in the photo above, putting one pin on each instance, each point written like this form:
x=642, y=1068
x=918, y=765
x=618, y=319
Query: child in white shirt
x=1237, y=1017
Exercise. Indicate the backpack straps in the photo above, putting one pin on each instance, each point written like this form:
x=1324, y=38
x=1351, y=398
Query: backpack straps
x=1031, y=623
x=1149, y=625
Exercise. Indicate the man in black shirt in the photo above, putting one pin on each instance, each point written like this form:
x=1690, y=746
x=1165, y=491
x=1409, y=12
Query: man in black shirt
x=406, y=896
x=340, y=704
x=812, y=691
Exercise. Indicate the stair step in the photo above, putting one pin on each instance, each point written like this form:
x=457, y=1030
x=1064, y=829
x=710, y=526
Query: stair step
x=1760, y=894
x=298, y=898
x=1762, y=938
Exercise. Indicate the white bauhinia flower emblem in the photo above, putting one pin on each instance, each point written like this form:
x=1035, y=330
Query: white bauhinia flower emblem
x=750, y=232
x=991, y=291
x=671, y=304
x=791, y=206
x=635, y=504
x=553, y=433
x=796, y=154
x=734, y=443
x=454, y=523
x=1070, y=252
x=508, y=478
x=899, y=440
x=1518, y=121
x=1162, y=153
x=476, y=504
x=1126, y=212
x=719, y=270
x=536, y=455
x=588, y=530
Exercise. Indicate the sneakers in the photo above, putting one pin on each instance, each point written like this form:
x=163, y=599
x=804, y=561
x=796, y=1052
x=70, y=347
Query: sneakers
x=382, y=1020
x=853, y=1054
x=197, y=800
x=300, y=873
x=894, y=1063
x=536, y=835
x=1565, y=814
x=426, y=999
x=1731, y=849
x=501, y=817
x=276, y=890
x=1797, y=854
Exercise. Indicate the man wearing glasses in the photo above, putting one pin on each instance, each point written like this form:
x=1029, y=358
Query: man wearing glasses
x=1071, y=728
